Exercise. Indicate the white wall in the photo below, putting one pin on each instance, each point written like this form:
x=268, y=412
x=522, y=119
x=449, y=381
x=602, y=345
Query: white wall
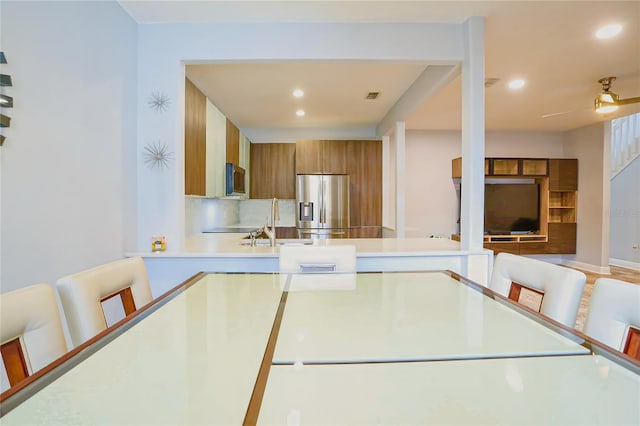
x=625, y=216
x=431, y=200
x=590, y=145
x=69, y=161
x=165, y=48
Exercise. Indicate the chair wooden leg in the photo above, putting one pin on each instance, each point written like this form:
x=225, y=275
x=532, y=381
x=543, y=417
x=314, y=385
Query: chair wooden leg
x=14, y=361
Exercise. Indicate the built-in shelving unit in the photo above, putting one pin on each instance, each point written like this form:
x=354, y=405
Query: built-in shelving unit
x=562, y=206
x=558, y=179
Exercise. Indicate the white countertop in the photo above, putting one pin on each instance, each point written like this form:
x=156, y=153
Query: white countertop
x=230, y=245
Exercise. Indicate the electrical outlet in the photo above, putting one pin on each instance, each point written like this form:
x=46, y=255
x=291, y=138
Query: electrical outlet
x=636, y=246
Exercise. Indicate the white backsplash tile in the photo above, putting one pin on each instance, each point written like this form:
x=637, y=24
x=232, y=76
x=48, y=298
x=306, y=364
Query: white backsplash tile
x=193, y=215
x=219, y=212
x=207, y=213
x=258, y=212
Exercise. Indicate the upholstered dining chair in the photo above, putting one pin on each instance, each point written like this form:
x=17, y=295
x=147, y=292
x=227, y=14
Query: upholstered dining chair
x=613, y=317
x=312, y=258
x=31, y=333
x=561, y=288
x=82, y=295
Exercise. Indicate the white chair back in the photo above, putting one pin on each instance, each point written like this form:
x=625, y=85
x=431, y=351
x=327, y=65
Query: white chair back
x=304, y=259
x=82, y=294
x=613, y=308
x=29, y=319
x=561, y=287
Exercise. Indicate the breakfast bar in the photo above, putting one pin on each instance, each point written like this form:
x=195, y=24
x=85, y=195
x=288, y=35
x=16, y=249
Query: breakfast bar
x=231, y=252
x=354, y=348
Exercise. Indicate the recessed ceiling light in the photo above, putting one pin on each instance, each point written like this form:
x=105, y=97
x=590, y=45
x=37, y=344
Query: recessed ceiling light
x=516, y=84
x=609, y=31
x=298, y=93
x=300, y=113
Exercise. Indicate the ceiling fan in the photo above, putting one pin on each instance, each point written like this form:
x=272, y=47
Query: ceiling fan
x=608, y=101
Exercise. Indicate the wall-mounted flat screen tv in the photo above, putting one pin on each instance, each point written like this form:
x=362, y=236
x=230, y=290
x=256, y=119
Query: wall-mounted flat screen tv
x=511, y=208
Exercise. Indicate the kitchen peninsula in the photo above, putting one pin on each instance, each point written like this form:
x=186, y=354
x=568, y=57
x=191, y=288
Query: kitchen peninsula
x=229, y=252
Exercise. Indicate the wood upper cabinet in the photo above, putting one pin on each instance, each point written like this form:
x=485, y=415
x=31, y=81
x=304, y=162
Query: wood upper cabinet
x=233, y=143
x=361, y=160
x=272, y=172
x=308, y=157
x=563, y=174
x=334, y=157
x=318, y=156
x=195, y=140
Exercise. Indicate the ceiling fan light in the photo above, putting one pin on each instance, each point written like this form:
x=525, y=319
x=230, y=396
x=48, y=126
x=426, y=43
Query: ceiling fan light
x=605, y=103
x=607, y=98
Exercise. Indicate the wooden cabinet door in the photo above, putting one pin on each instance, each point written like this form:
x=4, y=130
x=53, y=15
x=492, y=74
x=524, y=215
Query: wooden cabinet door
x=308, y=157
x=334, y=157
x=233, y=143
x=195, y=131
x=272, y=171
x=365, y=177
x=563, y=174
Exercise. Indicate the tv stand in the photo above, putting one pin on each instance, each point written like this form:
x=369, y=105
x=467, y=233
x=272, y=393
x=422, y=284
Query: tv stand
x=558, y=179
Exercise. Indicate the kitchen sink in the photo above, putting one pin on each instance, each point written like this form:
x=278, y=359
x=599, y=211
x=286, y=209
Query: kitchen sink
x=280, y=242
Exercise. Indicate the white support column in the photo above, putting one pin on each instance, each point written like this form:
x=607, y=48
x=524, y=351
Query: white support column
x=388, y=197
x=472, y=191
x=400, y=172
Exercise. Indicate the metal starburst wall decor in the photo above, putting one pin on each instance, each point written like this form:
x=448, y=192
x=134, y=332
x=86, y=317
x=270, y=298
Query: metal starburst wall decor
x=159, y=102
x=157, y=155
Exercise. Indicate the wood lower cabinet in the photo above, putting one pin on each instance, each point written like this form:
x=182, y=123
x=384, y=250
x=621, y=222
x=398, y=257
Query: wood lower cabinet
x=195, y=134
x=272, y=170
x=562, y=238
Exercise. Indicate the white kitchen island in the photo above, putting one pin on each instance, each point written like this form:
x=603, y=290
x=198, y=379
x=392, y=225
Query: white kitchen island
x=225, y=252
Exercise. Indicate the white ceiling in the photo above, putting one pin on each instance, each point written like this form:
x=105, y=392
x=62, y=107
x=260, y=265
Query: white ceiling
x=550, y=44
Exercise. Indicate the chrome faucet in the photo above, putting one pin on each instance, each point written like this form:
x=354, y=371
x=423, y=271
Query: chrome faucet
x=275, y=215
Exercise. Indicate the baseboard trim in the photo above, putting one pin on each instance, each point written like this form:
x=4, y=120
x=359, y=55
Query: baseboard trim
x=602, y=270
x=625, y=264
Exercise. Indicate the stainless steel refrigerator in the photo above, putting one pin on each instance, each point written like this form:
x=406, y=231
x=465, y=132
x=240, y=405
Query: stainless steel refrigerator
x=322, y=203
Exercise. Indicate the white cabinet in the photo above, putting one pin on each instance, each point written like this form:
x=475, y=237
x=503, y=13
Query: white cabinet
x=245, y=155
x=216, y=151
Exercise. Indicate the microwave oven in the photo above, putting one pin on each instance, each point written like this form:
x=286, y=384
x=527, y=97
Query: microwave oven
x=234, y=179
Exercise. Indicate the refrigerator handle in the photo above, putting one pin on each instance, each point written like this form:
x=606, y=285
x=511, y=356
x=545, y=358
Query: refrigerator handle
x=323, y=214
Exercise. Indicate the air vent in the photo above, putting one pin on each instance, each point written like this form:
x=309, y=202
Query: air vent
x=372, y=95
x=490, y=81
